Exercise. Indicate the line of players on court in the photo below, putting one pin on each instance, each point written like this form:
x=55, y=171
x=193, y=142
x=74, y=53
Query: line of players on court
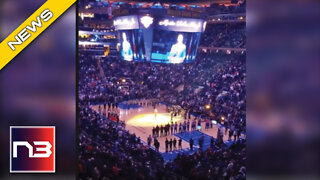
x=171, y=145
x=173, y=128
x=141, y=102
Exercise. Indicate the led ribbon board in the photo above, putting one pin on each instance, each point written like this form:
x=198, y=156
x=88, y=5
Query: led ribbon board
x=126, y=22
x=181, y=24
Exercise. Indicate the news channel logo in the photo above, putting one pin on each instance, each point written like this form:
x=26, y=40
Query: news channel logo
x=32, y=149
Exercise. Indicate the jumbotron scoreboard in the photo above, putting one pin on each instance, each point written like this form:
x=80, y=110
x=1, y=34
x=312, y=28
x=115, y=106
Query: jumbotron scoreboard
x=153, y=35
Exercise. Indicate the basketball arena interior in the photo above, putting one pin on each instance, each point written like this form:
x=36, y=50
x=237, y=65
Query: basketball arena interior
x=161, y=91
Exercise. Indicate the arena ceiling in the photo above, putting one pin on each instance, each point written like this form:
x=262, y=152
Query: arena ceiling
x=185, y=2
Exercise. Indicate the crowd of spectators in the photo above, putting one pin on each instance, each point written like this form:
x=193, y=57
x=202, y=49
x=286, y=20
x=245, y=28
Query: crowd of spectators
x=215, y=79
x=238, y=7
x=232, y=35
x=108, y=151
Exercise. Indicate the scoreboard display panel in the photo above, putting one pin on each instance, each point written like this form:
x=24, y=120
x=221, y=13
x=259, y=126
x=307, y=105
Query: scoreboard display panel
x=149, y=38
x=131, y=45
x=174, y=47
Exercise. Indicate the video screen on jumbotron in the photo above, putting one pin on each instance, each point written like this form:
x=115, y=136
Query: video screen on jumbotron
x=174, y=47
x=131, y=45
x=159, y=39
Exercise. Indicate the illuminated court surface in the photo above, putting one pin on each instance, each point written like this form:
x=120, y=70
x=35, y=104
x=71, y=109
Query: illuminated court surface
x=141, y=120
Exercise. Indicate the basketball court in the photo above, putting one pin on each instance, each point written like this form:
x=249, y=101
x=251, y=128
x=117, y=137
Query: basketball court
x=141, y=119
